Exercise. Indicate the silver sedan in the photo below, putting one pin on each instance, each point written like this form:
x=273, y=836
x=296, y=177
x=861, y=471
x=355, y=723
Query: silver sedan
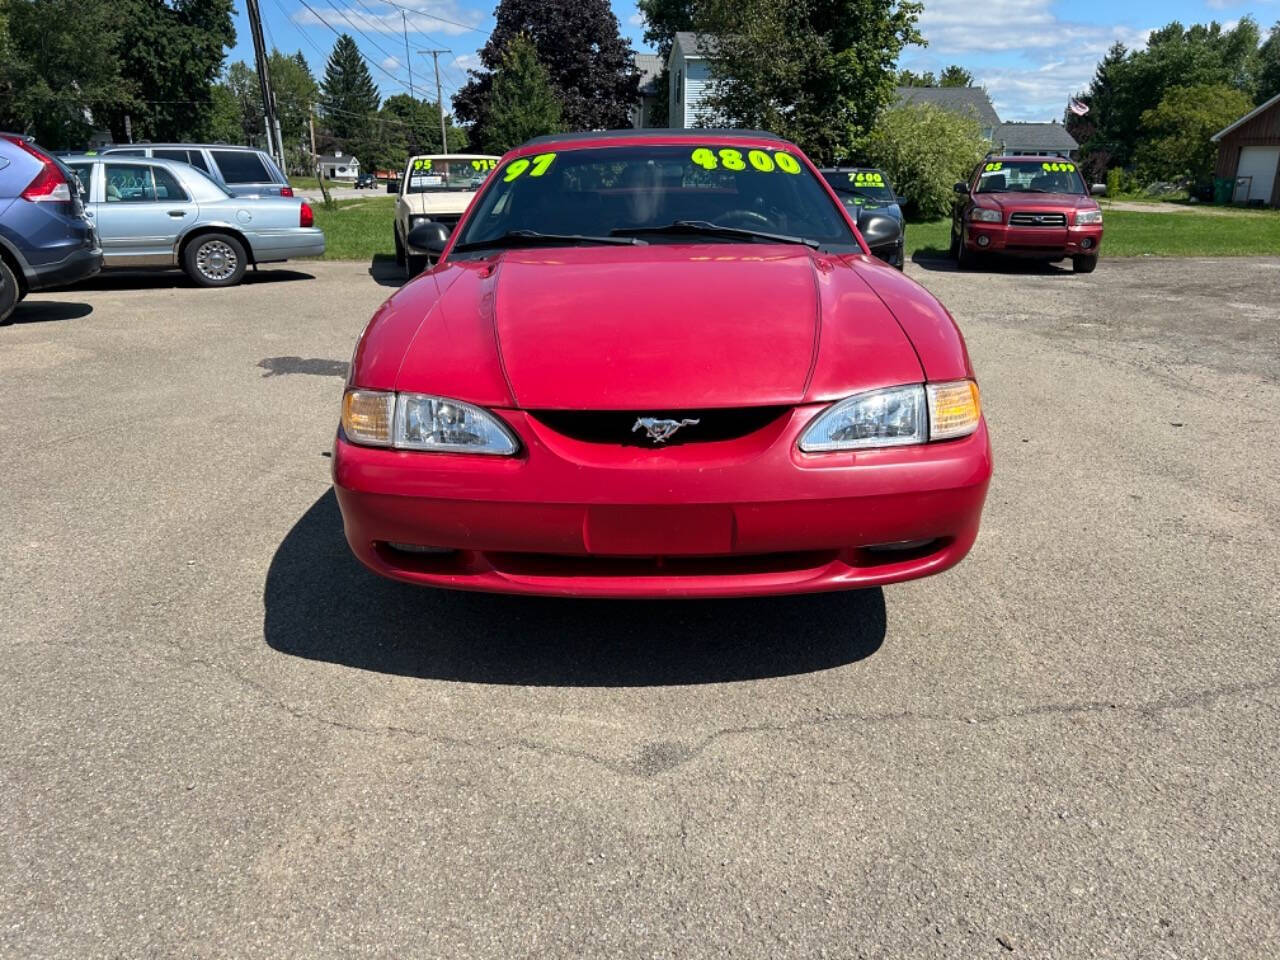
x=162, y=213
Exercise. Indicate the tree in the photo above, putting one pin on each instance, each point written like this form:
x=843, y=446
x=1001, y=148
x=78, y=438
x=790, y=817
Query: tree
x=521, y=102
x=348, y=95
x=587, y=61
x=925, y=151
x=59, y=68
x=1269, y=66
x=1175, y=134
x=955, y=76
x=909, y=78
x=818, y=72
x=225, y=123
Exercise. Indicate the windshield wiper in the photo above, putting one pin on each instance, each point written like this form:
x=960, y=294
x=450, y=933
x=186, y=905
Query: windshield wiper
x=532, y=238
x=706, y=228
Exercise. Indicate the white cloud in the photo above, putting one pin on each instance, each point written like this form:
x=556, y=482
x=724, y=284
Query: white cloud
x=636, y=19
x=428, y=16
x=1029, y=59
x=467, y=61
x=390, y=63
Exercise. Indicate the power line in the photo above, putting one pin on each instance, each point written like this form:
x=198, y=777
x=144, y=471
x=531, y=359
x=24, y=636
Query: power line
x=337, y=32
x=382, y=50
x=434, y=16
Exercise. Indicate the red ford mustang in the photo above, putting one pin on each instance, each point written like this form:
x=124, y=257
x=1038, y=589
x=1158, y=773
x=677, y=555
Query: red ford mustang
x=659, y=364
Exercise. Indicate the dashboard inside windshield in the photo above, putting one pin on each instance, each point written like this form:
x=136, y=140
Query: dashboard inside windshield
x=608, y=191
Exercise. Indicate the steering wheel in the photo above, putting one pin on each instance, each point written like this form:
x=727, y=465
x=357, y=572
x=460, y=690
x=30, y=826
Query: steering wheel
x=751, y=219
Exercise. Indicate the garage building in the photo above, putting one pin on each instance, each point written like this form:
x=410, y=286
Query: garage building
x=1249, y=154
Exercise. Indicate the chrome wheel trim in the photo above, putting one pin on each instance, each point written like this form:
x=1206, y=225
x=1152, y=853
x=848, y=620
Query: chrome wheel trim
x=216, y=260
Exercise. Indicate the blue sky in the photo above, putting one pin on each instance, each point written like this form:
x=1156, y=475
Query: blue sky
x=1030, y=54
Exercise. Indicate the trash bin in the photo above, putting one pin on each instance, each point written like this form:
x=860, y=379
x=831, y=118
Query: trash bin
x=1223, y=188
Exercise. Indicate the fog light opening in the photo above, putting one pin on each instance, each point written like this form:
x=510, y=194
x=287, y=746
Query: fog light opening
x=984, y=241
x=899, y=546
x=1086, y=243
x=419, y=548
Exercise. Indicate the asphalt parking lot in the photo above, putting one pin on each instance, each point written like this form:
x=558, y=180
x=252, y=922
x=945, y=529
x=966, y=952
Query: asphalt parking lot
x=222, y=738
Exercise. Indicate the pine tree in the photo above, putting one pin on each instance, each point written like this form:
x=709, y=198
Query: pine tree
x=521, y=102
x=587, y=61
x=347, y=93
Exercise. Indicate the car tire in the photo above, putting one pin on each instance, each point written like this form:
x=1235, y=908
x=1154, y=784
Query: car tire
x=10, y=294
x=1084, y=264
x=966, y=259
x=215, y=260
x=399, y=249
x=414, y=265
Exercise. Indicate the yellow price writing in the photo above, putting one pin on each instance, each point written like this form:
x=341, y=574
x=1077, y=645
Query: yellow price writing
x=483, y=164
x=1059, y=167
x=992, y=167
x=731, y=159
x=863, y=178
x=422, y=164
x=536, y=166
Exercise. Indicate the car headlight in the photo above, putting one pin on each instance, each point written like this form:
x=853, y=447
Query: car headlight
x=415, y=421
x=985, y=215
x=1088, y=216
x=895, y=417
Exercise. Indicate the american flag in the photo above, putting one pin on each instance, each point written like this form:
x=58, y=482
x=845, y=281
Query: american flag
x=1079, y=108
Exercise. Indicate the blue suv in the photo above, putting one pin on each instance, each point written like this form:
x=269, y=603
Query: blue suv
x=45, y=240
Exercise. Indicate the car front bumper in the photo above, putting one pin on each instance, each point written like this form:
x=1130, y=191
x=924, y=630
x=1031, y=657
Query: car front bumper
x=1048, y=243
x=734, y=518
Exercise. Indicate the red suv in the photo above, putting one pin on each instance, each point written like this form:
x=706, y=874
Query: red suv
x=1034, y=207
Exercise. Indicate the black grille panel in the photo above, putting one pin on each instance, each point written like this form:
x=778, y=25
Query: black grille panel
x=1038, y=220
x=616, y=426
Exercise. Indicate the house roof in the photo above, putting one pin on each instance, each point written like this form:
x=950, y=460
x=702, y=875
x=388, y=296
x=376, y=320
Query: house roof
x=1040, y=137
x=346, y=160
x=649, y=66
x=1246, y=118
x=696, y=45
x=973, y=100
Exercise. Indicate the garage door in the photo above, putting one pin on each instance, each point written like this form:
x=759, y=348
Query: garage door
x=1258, y=163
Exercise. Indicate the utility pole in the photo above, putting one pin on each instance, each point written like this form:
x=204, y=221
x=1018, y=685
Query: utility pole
x=404, y=20
x=264, y=82
x=435, y=57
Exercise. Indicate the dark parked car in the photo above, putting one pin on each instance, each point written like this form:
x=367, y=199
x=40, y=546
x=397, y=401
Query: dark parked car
x=366, y=181
x=45, y=239
x=864, y=190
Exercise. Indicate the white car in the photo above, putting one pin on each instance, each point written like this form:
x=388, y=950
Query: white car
x=435, y=187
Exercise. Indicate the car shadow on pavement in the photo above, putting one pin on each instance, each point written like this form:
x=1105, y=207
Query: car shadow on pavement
x=176, y=279
x=942, y=262
x=385, y=271
x=322, y=604
x=45, y=311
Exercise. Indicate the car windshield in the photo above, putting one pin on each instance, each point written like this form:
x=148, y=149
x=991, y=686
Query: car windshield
x=1030, y=176
x=856, y=187
x=694, y=193
x=435, y=174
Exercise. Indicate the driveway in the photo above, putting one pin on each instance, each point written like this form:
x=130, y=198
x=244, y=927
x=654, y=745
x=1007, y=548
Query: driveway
x=222, y=738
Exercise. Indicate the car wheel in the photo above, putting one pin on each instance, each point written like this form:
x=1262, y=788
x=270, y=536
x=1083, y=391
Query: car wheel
x=1084, y=264
x=9, y=294
x=414, y=265
x=399, y=249
x=215, y=260
x=966, y=258
x=955, y=243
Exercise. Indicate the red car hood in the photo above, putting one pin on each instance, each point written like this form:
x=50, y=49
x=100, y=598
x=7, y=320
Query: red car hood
x=666, y=327
x=1039, y=201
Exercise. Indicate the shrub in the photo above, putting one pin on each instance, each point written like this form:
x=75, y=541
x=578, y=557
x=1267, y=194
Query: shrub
x=925, y=151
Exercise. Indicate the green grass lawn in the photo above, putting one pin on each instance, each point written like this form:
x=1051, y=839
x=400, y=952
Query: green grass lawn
x=1129, y=233
x=357, y=229
x=361, y=229
x=304, y=183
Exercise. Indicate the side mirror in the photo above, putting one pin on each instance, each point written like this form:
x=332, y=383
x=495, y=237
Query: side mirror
x=962, y=188
x=430, y=236
x=878, y=229
x=1098, y=189
x=901, y=201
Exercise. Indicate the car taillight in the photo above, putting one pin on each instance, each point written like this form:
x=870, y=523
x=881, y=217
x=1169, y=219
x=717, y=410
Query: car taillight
x=49, y=184
x=305, y=217
x=286, y=191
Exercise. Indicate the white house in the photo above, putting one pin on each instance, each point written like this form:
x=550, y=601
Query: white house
x=690, y=72
x=649, y=66
x=337, y=167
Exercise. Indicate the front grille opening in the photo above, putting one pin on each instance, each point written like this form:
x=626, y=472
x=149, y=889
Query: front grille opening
x=1038, y=220
x=555, y=565
x=619, y=427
